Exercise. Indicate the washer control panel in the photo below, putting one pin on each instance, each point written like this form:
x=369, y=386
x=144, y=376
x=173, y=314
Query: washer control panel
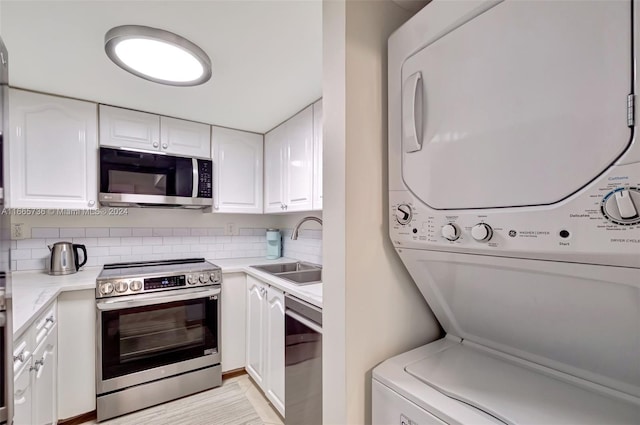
x=599, y=225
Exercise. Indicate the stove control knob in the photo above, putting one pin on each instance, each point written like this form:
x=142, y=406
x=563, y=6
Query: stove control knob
x=121, y=286
x=106, y=288
x=214, y=277
x=135, y=286
x=204, y=278
x=404, y=214
x=450, y=232
x=192, y=279
x=482, y=232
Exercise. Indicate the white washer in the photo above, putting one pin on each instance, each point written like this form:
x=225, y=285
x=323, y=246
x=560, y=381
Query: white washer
x=514, y=196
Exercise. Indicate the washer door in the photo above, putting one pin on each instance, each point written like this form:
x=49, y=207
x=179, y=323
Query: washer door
x=522, y=105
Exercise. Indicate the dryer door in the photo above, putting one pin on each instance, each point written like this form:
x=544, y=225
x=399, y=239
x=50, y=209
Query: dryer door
x=524, y=104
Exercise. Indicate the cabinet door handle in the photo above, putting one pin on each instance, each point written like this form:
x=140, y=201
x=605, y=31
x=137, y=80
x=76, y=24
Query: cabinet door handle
x=92, y=203
x=156, y=144
x=165, y=146
x=37, y=365
x=20, y=357
x=51, y=319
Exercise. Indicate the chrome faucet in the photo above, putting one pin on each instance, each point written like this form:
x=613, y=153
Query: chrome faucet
x=294, y=234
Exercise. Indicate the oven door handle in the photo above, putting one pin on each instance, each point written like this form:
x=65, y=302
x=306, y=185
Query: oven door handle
x=129, y=303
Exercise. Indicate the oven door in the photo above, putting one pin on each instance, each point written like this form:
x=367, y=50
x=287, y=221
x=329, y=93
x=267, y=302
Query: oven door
x=146, y=337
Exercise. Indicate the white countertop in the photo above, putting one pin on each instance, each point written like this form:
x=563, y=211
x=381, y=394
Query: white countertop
x=33, y=291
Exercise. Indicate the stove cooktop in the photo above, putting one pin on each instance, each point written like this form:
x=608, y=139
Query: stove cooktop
x=151, y=276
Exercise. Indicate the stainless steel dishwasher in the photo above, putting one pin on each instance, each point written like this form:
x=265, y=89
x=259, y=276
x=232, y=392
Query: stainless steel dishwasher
x=303, y=362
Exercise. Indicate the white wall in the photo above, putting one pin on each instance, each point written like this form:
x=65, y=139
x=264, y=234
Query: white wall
x=373, y=309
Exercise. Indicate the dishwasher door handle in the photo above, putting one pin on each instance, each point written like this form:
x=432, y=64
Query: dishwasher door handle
x=308, y=323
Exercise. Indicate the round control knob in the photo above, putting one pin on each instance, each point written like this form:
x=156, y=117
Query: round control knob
x=482, y=232
x=213, y=277
x=622, y=206
x=192, y=279
x=404, y=214
x=203, y=278
x=121, y=286
x=106, y=288
x=450, y=232
x=135, y=286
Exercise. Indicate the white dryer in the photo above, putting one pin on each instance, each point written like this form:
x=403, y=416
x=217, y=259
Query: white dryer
x=514, y=197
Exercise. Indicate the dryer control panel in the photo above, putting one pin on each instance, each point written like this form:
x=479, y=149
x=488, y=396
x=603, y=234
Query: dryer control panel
x=598, y=225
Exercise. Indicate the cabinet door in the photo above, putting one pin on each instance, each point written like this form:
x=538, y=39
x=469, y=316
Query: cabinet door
x=317, y=155
x=234, y=319
x=77, y=353
x=53, y=152
x=129, y=129
x=274, y=150
x=275, y=349
x=299, y=162
x=237, y=162
x=22, y=400
x=256, y=295
x=44, y=380
x=185, y=138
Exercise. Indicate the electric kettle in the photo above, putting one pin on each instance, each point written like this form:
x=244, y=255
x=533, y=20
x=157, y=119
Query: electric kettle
x=63, y=258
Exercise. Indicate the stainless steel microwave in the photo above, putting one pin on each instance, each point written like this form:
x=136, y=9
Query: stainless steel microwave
x=132, y=178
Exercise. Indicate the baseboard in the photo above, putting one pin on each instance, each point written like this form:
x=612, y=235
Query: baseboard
x=80, y=419
x=233, y=373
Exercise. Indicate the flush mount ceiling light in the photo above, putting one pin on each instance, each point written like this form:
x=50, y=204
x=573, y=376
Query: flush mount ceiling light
x=157, y=55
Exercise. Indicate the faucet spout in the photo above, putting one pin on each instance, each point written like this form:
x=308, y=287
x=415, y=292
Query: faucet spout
x=294, y=234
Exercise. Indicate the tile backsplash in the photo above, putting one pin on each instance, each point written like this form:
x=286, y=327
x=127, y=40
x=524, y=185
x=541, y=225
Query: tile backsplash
x=120, y=244
x=308, y=246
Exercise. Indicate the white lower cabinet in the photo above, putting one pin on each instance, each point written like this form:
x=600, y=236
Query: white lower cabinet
x=22, y=395
x=35, y=383
x=265, y=339
x=256, y=308
x=44, y=380
x=234, y=286
x=274, y=382
x=77, y=353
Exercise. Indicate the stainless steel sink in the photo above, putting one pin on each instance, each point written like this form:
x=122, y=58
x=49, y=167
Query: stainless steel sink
x=286, y=267
x=304, y=277
x=299, y=272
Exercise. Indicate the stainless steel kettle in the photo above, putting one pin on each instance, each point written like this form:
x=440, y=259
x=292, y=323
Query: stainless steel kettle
x=63, y=258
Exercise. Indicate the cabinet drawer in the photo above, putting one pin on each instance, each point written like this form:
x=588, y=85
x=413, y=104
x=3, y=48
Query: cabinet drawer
x=44, y=324
x=22, y=351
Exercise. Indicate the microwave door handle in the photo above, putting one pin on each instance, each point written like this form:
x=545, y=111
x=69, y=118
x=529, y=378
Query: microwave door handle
x=196, y=177
x=119, y=304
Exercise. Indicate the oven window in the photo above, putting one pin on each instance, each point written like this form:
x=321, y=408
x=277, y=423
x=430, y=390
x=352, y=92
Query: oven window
x=141, y=338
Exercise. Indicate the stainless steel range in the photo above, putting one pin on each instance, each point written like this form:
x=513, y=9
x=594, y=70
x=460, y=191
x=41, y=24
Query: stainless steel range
x=158, y=328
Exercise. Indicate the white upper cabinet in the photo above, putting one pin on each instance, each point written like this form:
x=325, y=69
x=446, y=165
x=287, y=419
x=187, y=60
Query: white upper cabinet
x=182, y=137
x=52, y=151
x=274, y=153
x=140, y=130
x=289, y=165
x=129, y=129
x=317, y=155
x=237, y=164
x=299, y=162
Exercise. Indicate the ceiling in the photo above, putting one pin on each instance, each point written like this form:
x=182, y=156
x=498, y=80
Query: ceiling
x=266, y=55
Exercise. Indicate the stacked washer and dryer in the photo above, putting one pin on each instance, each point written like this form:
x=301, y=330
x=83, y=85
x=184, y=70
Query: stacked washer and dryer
x=514, y=192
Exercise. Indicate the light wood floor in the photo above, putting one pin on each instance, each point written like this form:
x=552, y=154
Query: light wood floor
x=231, y=404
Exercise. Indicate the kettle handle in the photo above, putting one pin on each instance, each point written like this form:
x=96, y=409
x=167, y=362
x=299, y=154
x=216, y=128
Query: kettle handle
x=84, y=251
